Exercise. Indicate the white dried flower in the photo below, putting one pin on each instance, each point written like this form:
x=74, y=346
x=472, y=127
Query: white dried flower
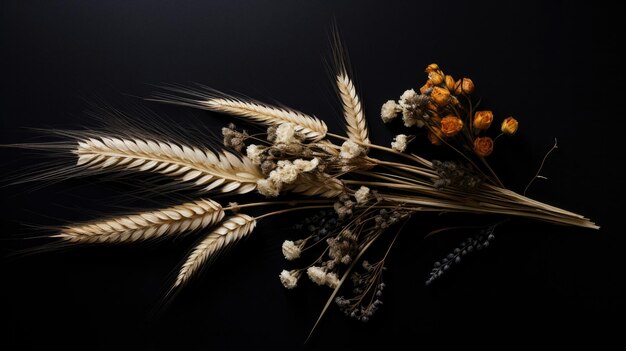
x=285, y=134
x=268, y=187
x=254, y=153
x=289, y=278
x=306, y=166
x=362, y=195
x=350, y=150
x=234, y=206
x=389, y=111
x=317, y=275
x=332, y=280
x=407, y=98
x=399, y=142
x=291, y=250
x=286, y=172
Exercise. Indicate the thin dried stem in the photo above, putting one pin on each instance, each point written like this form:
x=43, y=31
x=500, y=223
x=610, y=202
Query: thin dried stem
x=543, y=161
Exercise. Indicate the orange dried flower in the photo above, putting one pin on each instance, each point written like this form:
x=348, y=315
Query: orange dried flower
x=464, y=86
x=441, y=96
x=451, y=125
x=509, y=126
x=435, y=78
x=433, y=67
x=450, y=83
x=483, y=119
x=426, y=86
x=435, y=135
x=483, y=146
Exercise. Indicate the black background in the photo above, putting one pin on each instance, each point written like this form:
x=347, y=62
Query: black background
x=541, y=62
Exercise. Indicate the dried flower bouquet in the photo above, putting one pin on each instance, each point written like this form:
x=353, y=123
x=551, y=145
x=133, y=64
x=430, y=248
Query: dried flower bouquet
x=361, y=197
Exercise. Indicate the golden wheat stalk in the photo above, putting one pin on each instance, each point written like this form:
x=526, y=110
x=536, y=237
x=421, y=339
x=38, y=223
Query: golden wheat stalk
x=228, y=232
x=189, y=216
x=312, y=127
x=352, y=110
x=204, y=167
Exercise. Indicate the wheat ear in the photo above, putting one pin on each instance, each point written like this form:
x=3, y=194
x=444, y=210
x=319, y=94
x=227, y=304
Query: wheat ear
x=228, y=232
x=352, y=110
x=317, y=185
x=252, y=110
x=312, y=127
x=204, y=167
x=146, y=225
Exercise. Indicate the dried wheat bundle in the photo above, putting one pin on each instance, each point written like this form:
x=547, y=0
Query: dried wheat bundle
x=361, y=197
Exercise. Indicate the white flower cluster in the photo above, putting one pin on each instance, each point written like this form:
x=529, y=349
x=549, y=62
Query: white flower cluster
x=289, y=279
x=410, y=104
x=291, y=250
x=319, y=276
x=286, y=134
x=362, y=195
x=389, y=111
x=399, y=142
x=350, y=149
x=254, y=153
x=286, y=173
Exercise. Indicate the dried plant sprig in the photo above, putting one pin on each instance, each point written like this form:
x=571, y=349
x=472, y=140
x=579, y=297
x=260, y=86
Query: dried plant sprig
x=231, y=230
x=204, y=167
x=170, y=221
x=477, y=242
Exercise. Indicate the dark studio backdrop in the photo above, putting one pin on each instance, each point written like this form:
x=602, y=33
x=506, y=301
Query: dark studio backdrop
x=536, y=60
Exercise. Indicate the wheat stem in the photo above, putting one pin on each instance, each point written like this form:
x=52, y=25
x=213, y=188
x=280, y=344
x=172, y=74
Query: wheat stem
x=291, y=210
x=274, y=203
x=411, y=157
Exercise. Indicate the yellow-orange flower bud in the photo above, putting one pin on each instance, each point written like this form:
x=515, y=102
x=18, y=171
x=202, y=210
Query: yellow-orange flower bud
x=426, y=86
x=433, y=67
x=435, y=135
x=435, y=78
x=483, y=119
x=441, y=96
x=450, y=83
x=464, y=86
x=509, y=126
x=451, y=125
x=483, y=146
